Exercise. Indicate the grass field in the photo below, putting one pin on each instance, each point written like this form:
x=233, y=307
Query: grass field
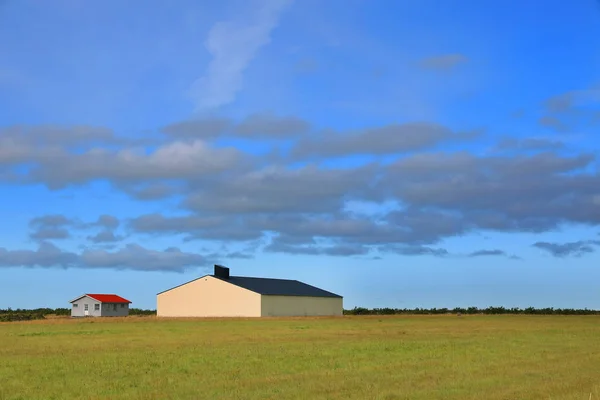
x=396, y=357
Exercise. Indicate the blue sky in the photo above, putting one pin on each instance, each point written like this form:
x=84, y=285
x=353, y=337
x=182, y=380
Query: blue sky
x=399, y=153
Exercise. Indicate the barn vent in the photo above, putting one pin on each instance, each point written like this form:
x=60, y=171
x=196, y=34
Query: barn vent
x=221, y=272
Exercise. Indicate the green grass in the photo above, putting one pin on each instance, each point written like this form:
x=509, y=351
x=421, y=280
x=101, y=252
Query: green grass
x=397, y=357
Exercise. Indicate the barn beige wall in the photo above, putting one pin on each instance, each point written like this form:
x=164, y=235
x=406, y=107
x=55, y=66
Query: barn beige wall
x=288, y=306
x=208, y=297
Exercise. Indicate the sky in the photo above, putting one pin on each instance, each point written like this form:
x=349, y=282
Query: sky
x=398, y=153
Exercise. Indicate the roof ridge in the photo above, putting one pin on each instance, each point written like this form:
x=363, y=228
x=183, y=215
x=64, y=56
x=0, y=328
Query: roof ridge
x=259, y=277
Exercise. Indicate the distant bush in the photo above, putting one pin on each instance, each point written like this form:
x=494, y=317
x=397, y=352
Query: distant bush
x=7, y=314
x=139, y=311
x=471, y=310
x=42, y=311
x=21, y=316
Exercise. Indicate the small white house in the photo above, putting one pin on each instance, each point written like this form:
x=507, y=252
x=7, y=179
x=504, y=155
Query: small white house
x=99, y=305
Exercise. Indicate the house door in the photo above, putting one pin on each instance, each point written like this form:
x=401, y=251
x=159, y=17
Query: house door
x=86, y=311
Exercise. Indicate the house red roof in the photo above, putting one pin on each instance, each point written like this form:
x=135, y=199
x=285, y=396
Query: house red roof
x=108, y=298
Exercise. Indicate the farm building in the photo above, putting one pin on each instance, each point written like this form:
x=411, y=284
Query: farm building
x=222, y=295
x=99, y=305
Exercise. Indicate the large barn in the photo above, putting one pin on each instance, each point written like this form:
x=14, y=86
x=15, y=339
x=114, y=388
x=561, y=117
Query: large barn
x=222, y=295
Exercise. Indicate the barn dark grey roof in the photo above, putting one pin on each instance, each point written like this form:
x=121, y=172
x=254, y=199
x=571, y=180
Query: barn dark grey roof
x=267, y=286
x=278, y=287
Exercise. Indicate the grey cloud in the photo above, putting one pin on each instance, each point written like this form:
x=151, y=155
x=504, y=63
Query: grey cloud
x=571, y=249
x=239, y=255
x=330, y=250
x=49, y=227
x=176, y=160
x=579, y=107
x=413, y=226
x=54, y=226
x=445, y=195
x=297, y=230
x=131, y=257
x=150, y=191
x=271, y=126
x=553, y=123
x=136, y=257
x=53, y=220
x=26, y=144
x=519, y=193
x=446, y=165
x=49, y=233
x=440, y=194
x=105, y=237
x=560, y=103
x=545, y=189
x=414, y=250
x=443, y=62
x=225, y=234
x=427, y=226
x=107, y=221
x=529, y=144
x=208, y=128
x=280, y=189
x=257, y=126
x=159, y=223
x=384, y=140
x=486, y=253
x=222, y=228
x=345, y=250
x=63, y=135
x=400, y=232
x=567, y=102
x=499, y=221
x=47, y=255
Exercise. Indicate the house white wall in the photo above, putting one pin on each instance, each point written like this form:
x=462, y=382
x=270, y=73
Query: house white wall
x=78, y=307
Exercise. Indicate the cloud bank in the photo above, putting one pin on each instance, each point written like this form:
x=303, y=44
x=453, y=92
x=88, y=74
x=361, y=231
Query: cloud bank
x=300, y=203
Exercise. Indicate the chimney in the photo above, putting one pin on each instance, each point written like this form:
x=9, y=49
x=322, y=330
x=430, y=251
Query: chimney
x=221, y=272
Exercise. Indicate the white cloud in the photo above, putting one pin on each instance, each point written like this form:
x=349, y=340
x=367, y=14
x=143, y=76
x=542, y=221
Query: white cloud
x=233, y=44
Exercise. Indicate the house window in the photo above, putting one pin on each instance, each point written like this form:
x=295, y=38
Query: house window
x=96, y=307
x=122, y=305
x=75, y=305
x=85, y=307
x=114, y=307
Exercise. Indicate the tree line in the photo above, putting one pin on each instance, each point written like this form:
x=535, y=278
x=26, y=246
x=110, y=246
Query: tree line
x=22, y=314
x=470, y=311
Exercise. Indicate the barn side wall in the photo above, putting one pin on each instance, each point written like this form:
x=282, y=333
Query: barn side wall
x=292, y=306
x=208, y=297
